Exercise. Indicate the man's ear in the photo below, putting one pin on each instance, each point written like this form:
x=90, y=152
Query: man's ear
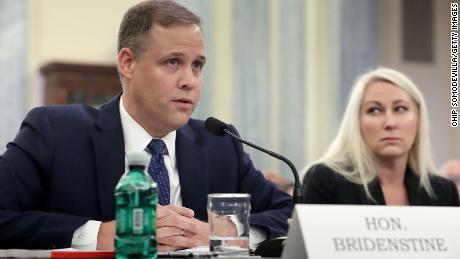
x=126, y=62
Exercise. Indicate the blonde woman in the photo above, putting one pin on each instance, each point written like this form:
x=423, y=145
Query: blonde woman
x=381, y=154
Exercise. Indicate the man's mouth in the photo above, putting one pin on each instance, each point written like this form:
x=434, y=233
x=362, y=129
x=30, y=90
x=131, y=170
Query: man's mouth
x=184, y=103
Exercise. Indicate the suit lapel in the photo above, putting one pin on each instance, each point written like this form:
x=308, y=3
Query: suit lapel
x=193, y=172
x=108, y=145
x=376, y=191
x=415, y=194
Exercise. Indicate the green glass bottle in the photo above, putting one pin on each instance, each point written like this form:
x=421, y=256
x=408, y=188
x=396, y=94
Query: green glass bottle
x=136, y=200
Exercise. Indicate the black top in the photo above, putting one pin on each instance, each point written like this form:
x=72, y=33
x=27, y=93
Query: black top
x=322, y=185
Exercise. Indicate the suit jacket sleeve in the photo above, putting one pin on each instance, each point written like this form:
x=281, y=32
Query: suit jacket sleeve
x=454, y=199
x=25, y=170
x=270, y=207
x=445, y=190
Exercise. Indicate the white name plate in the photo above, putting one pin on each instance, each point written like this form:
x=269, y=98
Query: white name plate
x=373, y=232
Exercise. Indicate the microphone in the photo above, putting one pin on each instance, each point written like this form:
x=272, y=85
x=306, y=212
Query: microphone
x=220, y=128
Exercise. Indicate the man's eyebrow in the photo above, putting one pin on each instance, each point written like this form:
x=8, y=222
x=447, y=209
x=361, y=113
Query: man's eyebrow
x=180, y=54
x=174, y=53
x=202, y=58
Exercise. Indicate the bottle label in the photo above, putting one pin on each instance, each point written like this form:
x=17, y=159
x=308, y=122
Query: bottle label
x=138, y=220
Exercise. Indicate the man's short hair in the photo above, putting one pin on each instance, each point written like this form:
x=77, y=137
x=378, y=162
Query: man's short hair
x=138, y=20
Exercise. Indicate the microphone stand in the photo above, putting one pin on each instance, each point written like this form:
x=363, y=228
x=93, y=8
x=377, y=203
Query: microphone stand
x=297, y=196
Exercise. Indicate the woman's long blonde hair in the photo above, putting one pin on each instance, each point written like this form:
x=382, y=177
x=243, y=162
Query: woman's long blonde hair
x=350, y=156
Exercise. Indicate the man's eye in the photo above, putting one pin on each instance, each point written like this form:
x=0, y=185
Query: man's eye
x=172, y=62
x=197, y=65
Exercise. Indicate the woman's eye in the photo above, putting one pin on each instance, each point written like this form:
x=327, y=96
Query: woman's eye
x=401, y=108
x=373, y=110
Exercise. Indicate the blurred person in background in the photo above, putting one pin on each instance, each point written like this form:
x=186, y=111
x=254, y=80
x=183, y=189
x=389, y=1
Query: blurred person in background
x=283, y=184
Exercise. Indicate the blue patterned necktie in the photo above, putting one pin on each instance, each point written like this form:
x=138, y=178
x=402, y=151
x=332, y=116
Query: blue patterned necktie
x=157, y=169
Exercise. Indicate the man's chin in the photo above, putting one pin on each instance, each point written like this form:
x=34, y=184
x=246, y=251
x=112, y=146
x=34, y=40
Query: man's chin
x=180, y=121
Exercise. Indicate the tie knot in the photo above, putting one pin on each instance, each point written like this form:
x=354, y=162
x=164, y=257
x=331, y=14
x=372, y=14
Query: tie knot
x=156, y=146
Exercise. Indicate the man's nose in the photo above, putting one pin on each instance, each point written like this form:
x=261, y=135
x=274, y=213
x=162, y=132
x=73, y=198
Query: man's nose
x=188, y=79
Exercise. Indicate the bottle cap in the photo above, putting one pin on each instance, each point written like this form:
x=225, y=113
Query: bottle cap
x=137, y=158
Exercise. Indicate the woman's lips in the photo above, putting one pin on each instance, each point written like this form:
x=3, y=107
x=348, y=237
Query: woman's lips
x=390, y=139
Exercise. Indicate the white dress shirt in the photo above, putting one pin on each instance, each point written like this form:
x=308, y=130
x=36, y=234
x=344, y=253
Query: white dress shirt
x=137, y=138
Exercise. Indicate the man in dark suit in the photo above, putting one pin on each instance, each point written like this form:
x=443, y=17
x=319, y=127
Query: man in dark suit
x=57, y=177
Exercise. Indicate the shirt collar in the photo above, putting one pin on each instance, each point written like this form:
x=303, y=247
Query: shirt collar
x=137, y=138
